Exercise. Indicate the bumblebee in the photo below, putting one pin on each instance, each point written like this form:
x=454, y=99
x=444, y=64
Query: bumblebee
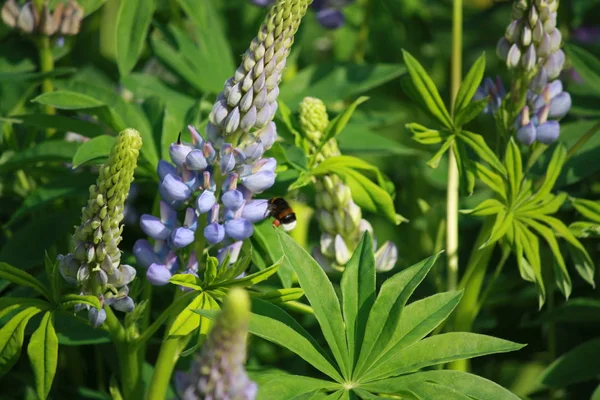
x=279, y=209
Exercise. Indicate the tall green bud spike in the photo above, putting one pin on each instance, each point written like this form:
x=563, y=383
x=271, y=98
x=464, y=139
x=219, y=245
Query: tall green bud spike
x=218, y=372
x=95, y=263
x=249, y=98
x=340, y=219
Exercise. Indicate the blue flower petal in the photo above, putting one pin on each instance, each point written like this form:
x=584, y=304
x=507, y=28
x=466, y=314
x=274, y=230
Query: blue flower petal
x=239, y=228
x=158, y=274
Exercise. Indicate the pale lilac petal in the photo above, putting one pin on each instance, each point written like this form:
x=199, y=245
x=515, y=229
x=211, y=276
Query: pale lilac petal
x=259, y=182
x=205, y=201
x=239, y=228
x=158, y=274
x=96, y=317
x=178, y=153
x=233, y=199
x=125, y=304
x=165, y=168
x=214, y=233
x=256, y=210
x=182, y=237
x=154, y=227
x=174, y=188
x=548, y=132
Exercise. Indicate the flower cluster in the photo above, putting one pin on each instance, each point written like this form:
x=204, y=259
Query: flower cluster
x=340, y=219
x=215, y=178
x=65, y=18
x=218, y=371
x=95, y=263
x=531, y=49
x=532, y=41
x=329, y=12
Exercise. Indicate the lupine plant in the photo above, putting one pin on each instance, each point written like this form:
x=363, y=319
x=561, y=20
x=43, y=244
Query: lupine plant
x=299, y=199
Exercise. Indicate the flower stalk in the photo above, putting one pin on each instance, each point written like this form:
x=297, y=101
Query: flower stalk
x=453, y=176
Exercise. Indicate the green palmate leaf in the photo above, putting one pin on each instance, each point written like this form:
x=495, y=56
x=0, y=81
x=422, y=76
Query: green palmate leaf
x=563, y=280
x=428, y=93
x=583, y=264
x=466, y=168
x=266, y=242
x=583, y=229
x=559, y=157
x=470, y=112
x=332, y=82
x=59, y=122
x=469, y=86
x=358, y=293
x=254, y=278
x=9, y=304
x=118, y=113
x=96, y=149
x=588, y=208
x=133, y=21
x=13, y=77
x=341, y=120
x=188, y=321
x=48, y=151
x=420, y=318
x=275, y=325
x=286, y=116
x=434, y=162
x=332, y=164
x=528, y=256
x=71, y=300
x=586, y=64
x=22, y=278
x=514, y=168
x=475, y=387
x=321, y=296
x=438, y=349
x=292, y=387
x=11, y=338
x=492, y=180
x=369, y=195
x=578, y=365
x=186, y=280
x=214, y=55
x=68, y=100
x=477, y=143
x=486, y=207
x=280, y=295
x=504, y=221
x=43, y=354
x=425, y=135
x=361, y=139
x=549, y=205
x=387, y=310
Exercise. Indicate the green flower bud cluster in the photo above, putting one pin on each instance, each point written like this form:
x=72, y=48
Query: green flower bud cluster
x=340, y=219
x=65, y=18
x=249, y=98
x=218, y=372
x=95, y=264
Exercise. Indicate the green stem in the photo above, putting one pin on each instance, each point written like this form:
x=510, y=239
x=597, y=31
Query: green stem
x=471, y=283
x=298, y=307
x=127, y=354
x=167, y=358
x=497, y=272
x=46, y=65
x=453, y=184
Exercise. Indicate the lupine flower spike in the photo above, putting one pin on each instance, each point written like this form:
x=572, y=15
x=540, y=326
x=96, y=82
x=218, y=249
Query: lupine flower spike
x=95, y=263
x=531, y=50
x=340, y=219
x=215, y=177
x=218, y=372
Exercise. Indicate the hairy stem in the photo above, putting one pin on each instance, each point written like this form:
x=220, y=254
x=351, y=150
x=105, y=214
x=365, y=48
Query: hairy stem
x=452, y=188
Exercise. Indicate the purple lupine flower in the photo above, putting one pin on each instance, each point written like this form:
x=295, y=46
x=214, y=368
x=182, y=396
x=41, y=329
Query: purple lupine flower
x=217, y=174
x=492, y=90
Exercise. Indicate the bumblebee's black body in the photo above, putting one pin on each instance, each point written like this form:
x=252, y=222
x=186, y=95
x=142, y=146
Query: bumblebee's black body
x=282, y=212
